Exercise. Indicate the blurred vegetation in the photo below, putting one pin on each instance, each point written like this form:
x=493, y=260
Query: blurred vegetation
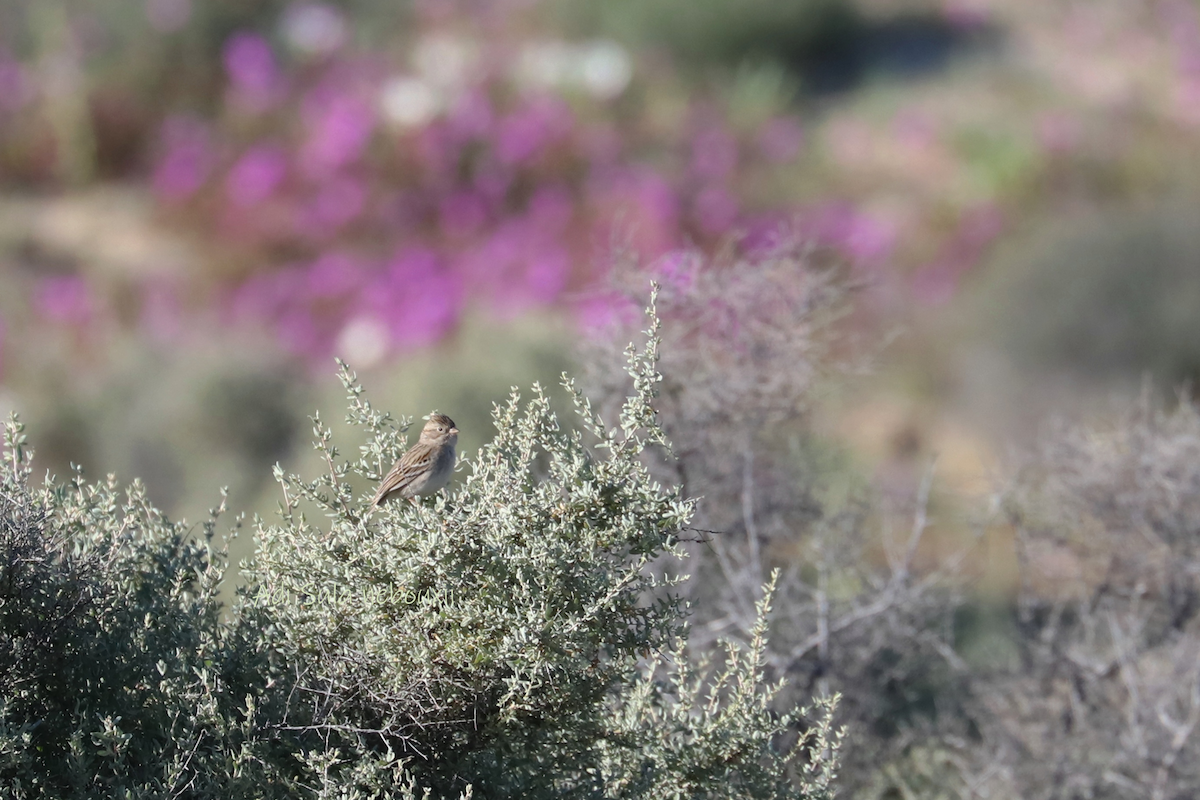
x=991, y=204
x=711, y=32
x=1110, y=298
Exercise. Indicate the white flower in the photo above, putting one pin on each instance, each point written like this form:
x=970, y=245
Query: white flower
x=314, y=28
x=363, y=342
x=605, y=69
x=602, y=68
x=409, y=102
x=545, y=65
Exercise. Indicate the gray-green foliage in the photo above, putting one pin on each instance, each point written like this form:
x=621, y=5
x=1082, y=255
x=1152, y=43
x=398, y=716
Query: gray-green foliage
x=514, y=638
x=117, y=677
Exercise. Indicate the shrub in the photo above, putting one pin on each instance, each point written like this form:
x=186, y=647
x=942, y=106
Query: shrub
x=512, y=639
x=117, y=676
x=1105, y=700
x=749, y=341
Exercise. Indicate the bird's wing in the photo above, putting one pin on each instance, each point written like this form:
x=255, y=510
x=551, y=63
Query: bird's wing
x=414, y=463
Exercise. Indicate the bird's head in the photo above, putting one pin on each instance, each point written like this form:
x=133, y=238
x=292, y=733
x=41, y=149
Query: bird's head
x=439, y=430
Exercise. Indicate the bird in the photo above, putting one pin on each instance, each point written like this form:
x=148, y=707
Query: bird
x=425, y=467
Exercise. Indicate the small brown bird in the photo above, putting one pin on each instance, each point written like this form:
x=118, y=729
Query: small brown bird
x=426, y=466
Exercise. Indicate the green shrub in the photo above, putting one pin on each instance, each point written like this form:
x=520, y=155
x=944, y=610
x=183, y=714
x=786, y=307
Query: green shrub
x=117, y=676
x=518, y=637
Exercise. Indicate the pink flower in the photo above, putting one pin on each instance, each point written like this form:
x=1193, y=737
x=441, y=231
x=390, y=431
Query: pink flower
x=416, y=298
x=524, y=134
x=868, y=239
x=339, y=129
x=639, y=203
x=298, y=332
x=15, y=86
x=714, y=154
x=551, y=209
x=471, y=118
x=865, y=238
x=656, y=197
x=598, y=312
x=256, y=175
x=677, y=269
x=546, y=274
x=462, y=213
x=716, y=210
x=64, y=300
x=266, y=295
x=186, y=160
x=339, y=201
x=253, y=75
x=766, y=232
x=334, y=274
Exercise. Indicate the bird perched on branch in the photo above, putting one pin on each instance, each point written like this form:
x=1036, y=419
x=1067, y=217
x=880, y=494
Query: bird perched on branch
x=425, y=467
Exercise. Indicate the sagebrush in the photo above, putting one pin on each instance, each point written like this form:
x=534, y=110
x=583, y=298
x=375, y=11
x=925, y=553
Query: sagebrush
x=505, y=639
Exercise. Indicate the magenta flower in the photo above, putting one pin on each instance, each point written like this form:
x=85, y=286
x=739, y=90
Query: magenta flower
x=677, y=269
x=493, y=181
x=766, y=232
x=266, y=295
x=15, y=87
x=64, y=300
x=546, y=274
x=298, y=333
x=656, y=197
x=864, y=238
x=333, y=275
x=488, y=268
x=429, y=314
x=471, y=118
x=339, y=128
x=551, y=209
x=253, y=74
x=716, y=210
x=598, y=313
x=867, y=239
x=186, y=160
x=525, y=133
x=462, y=213
x=256, y=175
x=639, y=202
x=339, y=201
x=714, y=154
x=415, y=297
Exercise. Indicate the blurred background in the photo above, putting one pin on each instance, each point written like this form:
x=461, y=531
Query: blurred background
x=203, y=202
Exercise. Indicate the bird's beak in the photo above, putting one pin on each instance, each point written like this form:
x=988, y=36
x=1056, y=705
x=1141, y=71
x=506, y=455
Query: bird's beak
x=454, y=430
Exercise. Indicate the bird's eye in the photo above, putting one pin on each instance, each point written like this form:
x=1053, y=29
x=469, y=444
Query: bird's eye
x=440, y=428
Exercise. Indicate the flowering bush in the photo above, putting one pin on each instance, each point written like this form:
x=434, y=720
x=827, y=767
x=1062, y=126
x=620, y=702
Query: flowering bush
x=357, y=198
x=371, y=201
